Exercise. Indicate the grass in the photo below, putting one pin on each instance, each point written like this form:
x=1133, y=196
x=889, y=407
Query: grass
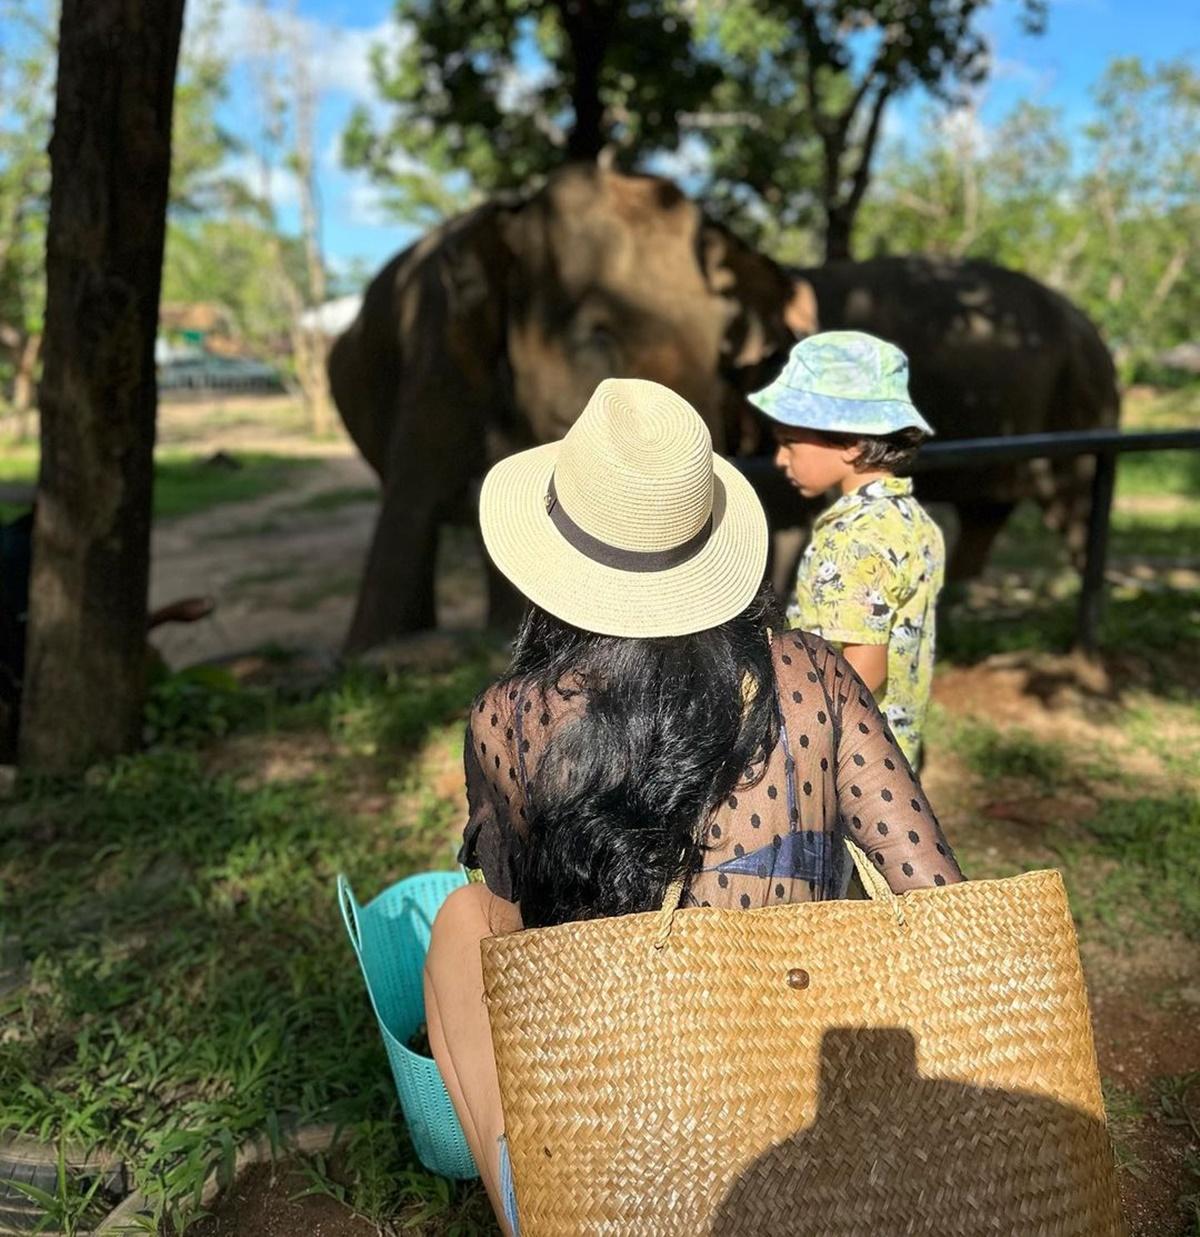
x=183, y=483
x=1013, y=753
x=1179, y=1106
x=343, y=585
x=1153, y=842
x=1126, y=1111
x=335, y=499
x=190, y=984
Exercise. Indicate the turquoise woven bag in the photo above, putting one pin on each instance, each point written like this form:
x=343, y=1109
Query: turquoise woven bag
x=390, y=936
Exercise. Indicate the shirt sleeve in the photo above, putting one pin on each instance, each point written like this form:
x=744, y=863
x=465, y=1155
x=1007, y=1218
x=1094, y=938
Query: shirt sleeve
x=490, y=842
x=853, y=588
x=882, y=807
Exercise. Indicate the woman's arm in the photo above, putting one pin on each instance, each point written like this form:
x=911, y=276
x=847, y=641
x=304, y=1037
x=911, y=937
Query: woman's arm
x=881, y=804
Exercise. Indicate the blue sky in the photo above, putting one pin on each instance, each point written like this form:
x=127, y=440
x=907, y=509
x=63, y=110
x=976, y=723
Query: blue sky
x=1056, y=68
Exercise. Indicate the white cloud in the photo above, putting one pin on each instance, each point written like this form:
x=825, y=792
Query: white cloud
x=363, y=205
x=339, y=58
x=283, y=188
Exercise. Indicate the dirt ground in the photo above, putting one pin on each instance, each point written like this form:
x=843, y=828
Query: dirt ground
x=283, y=570
x=271, y=1201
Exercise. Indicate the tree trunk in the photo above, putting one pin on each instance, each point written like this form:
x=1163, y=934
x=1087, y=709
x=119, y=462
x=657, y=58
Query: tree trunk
x=313, y=367
x=23, y=381
x=588, y=24
x=110, y=160
x=838, y=226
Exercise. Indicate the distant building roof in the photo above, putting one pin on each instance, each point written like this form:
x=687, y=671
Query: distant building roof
x=194, y=316
x=333, y=317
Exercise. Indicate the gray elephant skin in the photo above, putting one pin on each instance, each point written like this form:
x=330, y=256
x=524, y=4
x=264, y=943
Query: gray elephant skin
x=489, y=334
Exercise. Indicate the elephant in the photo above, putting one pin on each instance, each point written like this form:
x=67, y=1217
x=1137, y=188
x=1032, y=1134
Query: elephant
x=991, y=351
x=489, y=334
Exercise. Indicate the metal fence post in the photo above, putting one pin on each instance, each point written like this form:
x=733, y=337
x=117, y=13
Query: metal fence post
x=1091, y=598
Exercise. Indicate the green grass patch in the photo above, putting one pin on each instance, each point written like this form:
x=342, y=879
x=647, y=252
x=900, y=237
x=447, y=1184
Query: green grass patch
x=1149, y=409
x=1125, y=1111
x=334, y=500
x=1153, y=877
x=1159, y=472
x=994, y=754
x=186, y=483
x=342, y=585
x=190, y=982
x=1164, y=625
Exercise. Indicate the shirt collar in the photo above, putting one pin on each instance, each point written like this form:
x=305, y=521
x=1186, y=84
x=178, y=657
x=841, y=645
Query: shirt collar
x=884, y=487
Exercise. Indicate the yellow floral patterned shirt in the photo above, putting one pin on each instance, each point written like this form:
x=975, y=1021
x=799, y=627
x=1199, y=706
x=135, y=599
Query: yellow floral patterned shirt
x=871, y=575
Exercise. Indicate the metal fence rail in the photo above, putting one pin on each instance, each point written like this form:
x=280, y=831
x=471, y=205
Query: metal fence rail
x=1105, y=445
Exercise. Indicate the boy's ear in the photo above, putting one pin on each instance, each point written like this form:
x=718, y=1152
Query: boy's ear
x=851, y=452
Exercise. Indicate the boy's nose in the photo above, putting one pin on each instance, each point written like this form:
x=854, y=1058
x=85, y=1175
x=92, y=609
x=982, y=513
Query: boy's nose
x=780, y=457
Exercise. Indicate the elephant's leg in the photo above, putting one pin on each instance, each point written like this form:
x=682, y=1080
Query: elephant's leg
x=506, y=604
x=787, y=546
x=1066, y=502
x=396, y=595
x=979, y=526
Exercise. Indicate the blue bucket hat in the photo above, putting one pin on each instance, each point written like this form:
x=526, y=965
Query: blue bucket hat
x=845, y=382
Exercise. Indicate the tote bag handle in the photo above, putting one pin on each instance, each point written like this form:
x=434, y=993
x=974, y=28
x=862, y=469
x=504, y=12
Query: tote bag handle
x=878, y=890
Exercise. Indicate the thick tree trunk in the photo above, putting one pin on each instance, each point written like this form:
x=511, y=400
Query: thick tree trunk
x=588, y=24
x=110, y=160
x=839, y=225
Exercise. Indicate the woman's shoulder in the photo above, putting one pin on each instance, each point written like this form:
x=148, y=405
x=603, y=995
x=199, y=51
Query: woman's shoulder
x=795, y=646
x=500, y=705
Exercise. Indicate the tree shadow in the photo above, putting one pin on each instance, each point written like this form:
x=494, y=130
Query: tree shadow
x=891, y=1152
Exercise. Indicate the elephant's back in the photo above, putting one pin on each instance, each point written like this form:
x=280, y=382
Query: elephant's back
x=991, y=350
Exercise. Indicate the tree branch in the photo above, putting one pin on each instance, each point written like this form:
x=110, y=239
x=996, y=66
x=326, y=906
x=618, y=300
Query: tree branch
x=862, y=173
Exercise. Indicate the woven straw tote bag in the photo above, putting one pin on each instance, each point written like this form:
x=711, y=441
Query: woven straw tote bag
x=905, y=1065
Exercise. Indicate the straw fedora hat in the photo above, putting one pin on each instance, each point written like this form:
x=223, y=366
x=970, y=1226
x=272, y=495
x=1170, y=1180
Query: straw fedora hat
x=630, y=526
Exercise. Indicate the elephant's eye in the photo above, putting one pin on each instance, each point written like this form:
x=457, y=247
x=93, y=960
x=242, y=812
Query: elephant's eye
x=597, y=335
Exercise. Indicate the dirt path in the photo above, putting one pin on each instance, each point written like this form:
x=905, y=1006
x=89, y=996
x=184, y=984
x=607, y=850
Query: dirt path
x=284, y=568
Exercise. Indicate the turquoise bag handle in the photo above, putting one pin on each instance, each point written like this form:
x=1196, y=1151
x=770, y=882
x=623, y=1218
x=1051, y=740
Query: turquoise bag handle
x=349, y=908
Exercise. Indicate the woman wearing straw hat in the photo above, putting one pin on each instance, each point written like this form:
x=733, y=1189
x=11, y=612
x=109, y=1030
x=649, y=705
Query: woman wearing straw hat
x=652, y=726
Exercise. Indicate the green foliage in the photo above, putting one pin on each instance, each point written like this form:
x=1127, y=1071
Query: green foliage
x=485, y=95
x=805, y=87
x=195, y=706
x=27, y=88
x=200, y=146
x=27, y=65
x=1108, y=212
x=242, y=264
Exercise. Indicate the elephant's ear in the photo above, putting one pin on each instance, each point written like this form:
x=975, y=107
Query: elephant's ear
x=756, y=293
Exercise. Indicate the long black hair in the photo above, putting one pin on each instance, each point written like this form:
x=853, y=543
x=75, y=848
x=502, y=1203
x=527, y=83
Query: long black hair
x=618, y=802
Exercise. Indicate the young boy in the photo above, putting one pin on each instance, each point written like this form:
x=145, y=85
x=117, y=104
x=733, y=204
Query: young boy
x=870, y=577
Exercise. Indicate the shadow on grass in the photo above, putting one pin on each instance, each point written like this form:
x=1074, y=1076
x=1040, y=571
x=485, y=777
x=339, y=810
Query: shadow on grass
x=1162, y=628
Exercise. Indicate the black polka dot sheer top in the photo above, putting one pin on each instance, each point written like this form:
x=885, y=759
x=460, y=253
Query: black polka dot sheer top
x=835, y=771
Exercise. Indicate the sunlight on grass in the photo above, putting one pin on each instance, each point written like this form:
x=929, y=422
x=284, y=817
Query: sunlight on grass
x=186, y=483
